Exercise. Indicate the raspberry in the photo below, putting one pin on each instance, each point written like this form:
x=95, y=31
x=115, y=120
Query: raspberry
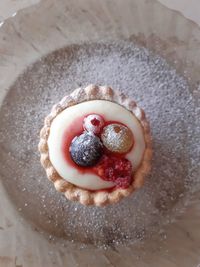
x=123, y=182
x=117, y=170
x=123, y=165
x=109, y=172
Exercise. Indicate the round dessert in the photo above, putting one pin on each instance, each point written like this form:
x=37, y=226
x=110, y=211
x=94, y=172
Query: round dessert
x=95, y=146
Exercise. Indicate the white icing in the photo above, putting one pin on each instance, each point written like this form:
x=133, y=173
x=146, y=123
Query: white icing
x=109, y=110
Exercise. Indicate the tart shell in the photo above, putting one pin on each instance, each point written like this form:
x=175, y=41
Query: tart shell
x=73, y=192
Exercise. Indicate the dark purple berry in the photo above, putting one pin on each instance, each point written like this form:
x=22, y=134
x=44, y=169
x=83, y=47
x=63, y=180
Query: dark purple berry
x=86, y=149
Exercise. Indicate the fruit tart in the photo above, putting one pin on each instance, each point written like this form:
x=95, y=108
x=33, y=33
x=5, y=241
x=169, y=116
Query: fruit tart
x=95, y=146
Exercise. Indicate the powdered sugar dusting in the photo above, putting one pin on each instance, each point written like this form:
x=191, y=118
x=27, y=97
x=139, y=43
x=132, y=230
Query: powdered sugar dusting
x=117, y=138
x=93, y=123
x=170, y=107
x=86, y=149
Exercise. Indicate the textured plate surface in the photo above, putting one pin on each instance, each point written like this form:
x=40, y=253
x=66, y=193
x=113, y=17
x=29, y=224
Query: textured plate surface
x=170, y=104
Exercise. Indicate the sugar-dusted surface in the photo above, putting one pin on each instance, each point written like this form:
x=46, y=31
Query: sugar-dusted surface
x=169, y=105
x=117, y=138
x=86, y=149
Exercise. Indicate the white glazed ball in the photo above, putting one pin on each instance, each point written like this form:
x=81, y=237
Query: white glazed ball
x=93, y=123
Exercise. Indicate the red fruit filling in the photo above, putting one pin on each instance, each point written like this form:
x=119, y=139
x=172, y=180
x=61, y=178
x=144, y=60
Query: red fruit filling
x=117, y=170
x=95, y=122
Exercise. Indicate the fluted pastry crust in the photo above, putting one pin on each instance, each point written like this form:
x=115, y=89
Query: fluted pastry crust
x=73, y=192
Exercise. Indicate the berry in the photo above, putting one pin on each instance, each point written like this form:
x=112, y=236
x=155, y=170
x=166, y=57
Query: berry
x=86, y=149
x=123, y=182
x=117, y=138
x=117, y=170
x=93, y=123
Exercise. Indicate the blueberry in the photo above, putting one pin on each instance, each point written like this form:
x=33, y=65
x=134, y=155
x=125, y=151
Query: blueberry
x=86, y=149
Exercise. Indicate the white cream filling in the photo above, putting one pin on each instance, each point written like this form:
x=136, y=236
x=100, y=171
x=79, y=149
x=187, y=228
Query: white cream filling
x=110, y=111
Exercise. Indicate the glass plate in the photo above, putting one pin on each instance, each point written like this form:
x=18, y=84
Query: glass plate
x=98, y=42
